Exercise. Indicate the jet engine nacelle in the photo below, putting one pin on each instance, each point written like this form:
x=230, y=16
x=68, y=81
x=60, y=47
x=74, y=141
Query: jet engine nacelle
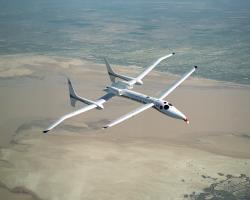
x=115, y=91
x=139, y=82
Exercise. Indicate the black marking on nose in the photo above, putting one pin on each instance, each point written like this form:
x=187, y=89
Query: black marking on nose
x=166, y=107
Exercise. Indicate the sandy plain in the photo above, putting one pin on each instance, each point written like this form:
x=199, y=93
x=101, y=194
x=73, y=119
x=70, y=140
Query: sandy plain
x=148, y=157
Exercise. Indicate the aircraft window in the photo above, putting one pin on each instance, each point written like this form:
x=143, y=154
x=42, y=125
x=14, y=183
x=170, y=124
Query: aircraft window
x=166, y=107
x=161, y=107
x=165, y=102
x=148, y=97
x=170, y=104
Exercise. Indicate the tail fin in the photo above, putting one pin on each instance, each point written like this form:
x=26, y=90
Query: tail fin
x=72, y=94
x=75, y=97
x=111, y=73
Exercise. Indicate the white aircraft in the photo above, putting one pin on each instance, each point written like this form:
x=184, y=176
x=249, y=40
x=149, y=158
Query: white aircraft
x=123, y=88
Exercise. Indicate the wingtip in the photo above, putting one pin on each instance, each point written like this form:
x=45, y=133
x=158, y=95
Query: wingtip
x=105, y=127
x=173, y=53
x=195, y=66
x=46, y=131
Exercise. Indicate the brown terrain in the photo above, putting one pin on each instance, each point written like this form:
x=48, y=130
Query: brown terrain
x=150, y=156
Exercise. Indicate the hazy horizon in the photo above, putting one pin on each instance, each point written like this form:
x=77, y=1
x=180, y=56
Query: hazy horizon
x=214, y=35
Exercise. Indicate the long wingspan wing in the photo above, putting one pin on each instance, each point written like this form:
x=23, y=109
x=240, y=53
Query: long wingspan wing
x=100, y=101
x=129, y=115
x=150, y=68
x=175, y=85
x=77, y=112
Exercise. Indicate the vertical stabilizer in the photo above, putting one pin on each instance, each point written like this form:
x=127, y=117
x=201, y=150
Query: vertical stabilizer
x=72, y=94
x=110, y=71
x=75, y=97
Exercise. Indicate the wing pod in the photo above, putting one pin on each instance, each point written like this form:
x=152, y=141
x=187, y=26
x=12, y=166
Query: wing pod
x=114, y=90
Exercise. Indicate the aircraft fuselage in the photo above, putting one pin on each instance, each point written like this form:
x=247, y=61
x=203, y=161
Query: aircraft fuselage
x=160, y=105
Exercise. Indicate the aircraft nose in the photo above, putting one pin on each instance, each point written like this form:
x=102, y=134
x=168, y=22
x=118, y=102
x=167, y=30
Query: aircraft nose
x=186, y=120
x=174, y=112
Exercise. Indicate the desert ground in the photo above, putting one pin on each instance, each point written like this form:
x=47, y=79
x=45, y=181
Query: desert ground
x=150, y=156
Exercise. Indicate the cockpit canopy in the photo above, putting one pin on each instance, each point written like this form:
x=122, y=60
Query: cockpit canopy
x=165, y=105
